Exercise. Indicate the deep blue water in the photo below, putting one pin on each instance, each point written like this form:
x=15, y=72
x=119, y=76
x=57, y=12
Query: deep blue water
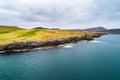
x=96, y=60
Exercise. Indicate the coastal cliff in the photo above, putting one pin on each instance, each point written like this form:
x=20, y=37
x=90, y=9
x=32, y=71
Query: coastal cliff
x=13, y=38
x=29, y=45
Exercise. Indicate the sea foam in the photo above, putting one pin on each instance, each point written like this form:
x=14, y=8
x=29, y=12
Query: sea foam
x=67, y=45
x=95, y=41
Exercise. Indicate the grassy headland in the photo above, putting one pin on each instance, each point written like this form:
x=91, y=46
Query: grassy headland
x=12, y=34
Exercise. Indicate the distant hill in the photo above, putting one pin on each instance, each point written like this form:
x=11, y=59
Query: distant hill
x=102, y=29
x=7, y=29
x=97, y=29
x=46, y=28
x=40, y=28
x=114, y=31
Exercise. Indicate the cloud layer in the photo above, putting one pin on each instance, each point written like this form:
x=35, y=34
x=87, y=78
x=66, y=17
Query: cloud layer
x=60, y=13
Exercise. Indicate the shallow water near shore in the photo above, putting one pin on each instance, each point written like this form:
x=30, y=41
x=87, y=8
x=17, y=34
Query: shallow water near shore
x=93, y=60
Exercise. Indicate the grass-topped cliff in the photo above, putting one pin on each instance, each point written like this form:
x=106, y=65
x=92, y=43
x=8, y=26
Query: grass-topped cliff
x=11, y=34
x=12, y=37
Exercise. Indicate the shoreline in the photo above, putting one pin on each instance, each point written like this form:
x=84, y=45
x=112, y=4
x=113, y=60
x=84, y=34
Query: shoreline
x=35, y=45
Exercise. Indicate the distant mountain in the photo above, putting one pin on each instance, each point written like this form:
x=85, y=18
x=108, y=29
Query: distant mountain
x=114, y=31
x=46, y=28
x=40, y=28
x=97, y=29
x=102, y=29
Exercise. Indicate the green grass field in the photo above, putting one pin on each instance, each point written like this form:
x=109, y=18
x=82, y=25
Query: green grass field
x=11, y=34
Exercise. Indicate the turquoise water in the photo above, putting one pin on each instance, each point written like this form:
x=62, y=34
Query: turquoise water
x=96, y=60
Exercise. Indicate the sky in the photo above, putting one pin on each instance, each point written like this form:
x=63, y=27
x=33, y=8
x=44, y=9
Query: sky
x=65, y=14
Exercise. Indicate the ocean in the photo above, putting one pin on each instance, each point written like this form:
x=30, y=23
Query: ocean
x=85, y=60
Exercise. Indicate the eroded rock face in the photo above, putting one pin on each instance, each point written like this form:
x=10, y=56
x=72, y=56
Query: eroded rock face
x=54, y=42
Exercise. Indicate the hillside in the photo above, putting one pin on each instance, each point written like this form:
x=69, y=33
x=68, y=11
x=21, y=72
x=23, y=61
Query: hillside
x=12, y=38
x=14, y=34
x=8, y=29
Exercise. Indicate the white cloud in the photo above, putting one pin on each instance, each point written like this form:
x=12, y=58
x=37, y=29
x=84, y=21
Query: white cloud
x=59, y=13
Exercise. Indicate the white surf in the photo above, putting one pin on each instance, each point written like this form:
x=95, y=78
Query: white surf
x=67, y=45
x=95, y=41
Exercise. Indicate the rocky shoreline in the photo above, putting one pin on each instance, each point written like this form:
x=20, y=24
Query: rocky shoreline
x=30, y=45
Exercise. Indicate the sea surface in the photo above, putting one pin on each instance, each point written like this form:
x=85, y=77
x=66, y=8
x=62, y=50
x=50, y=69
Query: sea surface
x=94, y=60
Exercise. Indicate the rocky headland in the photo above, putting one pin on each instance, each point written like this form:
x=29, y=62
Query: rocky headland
x=30, y=45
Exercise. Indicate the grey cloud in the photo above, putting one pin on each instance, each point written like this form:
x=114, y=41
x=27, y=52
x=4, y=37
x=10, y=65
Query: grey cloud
x=107, y=9
x=60, y=12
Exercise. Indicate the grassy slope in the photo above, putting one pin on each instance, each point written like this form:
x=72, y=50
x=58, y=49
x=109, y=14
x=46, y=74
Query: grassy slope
x=13, y=34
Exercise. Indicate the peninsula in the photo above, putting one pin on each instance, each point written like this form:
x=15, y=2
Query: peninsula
x=13, y=38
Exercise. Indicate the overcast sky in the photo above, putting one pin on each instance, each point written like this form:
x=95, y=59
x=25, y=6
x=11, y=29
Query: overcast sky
x=60, y=13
